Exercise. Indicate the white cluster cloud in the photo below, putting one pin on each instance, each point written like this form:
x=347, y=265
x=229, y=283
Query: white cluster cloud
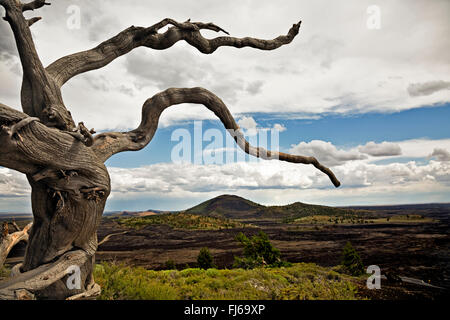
x=13, y=184
x=381, y=149
x=170, y=177
x=330, y=155
x=279, y=127
x=251, y=127
x=364, y=180
x=440, y=154
x=427, y=88
x=277, y=182
x=326, y=152
x=247, y=123
x=367, y=174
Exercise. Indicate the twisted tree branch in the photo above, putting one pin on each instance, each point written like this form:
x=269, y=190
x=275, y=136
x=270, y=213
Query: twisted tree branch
x=10, y=240
x=41, y=97
x=107, y=144
x=36, y=4
x=15, y=225
x=187, y=25
x=33, y=20
x=69, y=66
x=42, y=152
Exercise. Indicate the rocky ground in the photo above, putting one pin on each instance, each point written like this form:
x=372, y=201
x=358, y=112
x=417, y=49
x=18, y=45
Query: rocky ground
x=416, y=250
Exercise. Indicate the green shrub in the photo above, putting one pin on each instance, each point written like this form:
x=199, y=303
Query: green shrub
x=181, y=221
x=191, y=272
x=4, y=272
x=120, y=282
x=300, y=281
x=170, y=265
x=258, y=251
x=351, y=261
x=212, y=273
x=205, y=259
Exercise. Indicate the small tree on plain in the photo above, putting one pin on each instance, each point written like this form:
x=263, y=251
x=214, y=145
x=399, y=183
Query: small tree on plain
x=351, y=261
x=205, y=260
x=258, y=252
x=170, y=265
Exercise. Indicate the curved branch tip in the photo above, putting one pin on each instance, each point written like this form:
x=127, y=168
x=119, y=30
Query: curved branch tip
x=140, y=137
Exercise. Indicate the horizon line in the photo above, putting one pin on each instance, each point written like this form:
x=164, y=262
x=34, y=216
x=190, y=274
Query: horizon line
x=351, y=206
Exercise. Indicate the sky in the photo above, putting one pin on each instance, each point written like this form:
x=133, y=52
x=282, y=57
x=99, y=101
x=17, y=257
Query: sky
x=364, y=87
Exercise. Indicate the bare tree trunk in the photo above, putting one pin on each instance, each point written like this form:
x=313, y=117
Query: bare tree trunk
x=70, y=185
x=62, y=222
x=64, y=164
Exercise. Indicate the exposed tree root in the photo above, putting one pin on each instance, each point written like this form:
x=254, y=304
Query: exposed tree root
x=42, y=276
x=92, y=292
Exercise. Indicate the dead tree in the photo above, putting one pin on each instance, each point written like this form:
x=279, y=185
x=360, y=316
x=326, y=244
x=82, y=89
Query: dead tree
x=64, y=162
x=9, y=240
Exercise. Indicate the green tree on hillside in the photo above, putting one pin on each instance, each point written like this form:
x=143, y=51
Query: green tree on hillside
x=258, y=252
x=205, y=259
x=351, y=261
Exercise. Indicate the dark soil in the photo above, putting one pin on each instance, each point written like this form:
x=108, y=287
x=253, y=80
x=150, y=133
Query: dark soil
x=415, y=250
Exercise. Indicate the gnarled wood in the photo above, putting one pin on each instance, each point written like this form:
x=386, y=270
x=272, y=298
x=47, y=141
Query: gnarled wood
x=69, y=184
x=41, y=97
x=36, y=4
x=91, y=292
x=69, y=66
x=8, y=241
x=44, y=276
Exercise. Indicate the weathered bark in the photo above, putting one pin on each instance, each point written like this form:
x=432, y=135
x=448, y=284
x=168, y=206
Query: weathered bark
x=64, y=163
x=41, y=97
x=44, y=277
x=70, y=186
x=69, y=66
x=8, y=241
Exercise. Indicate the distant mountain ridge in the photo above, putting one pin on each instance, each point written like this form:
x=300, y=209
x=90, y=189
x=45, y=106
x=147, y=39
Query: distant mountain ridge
x=125, y=214
x=137, y=214
x=228, y=206
x=238, y=208
x=235, y=207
